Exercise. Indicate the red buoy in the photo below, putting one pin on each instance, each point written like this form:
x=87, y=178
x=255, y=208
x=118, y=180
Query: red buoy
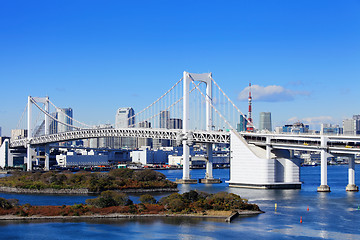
x=300, y=219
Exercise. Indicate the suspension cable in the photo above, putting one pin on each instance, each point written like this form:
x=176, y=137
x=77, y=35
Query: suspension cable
x=22, y=117
x=233, y=103
x=71, y=117
x=157, y=99
x=49, y=115
x=223, y=118
x=166, y=108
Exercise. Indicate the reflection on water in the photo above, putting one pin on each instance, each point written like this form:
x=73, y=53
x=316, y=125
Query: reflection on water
x=331, y=215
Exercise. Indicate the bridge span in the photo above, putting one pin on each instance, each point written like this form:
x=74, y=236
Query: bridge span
x=189, y=115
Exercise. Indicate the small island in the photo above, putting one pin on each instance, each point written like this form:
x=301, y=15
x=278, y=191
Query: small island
x=122, y=180
x=113, y=204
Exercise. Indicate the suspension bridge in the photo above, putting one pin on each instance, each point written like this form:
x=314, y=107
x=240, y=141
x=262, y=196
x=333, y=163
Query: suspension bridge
x=195, y=110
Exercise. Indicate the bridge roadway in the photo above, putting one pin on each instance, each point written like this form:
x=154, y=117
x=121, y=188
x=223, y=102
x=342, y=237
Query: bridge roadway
x=161, y=133
x=337, y=144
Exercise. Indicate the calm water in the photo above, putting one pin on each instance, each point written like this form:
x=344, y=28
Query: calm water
x=332, y=215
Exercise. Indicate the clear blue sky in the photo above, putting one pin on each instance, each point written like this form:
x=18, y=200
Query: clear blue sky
x=97, y=56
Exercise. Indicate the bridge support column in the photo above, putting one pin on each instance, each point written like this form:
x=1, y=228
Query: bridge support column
x=351, y=187
x=28, y=158
x=209, y=167
x=47, y=157
x=186, y=122
x=268, y=148
x=29, y=135
x=323, y=187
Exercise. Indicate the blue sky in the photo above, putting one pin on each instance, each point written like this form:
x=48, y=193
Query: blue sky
x=97, y=56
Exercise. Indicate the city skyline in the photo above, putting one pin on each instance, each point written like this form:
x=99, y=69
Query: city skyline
x=301, y=58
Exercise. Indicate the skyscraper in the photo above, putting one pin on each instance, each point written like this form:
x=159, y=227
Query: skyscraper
x=144, y=141
x=241, y=127
x=124, y=119
x=352, y=126
x=265, y=121
x=164, y=119
x=64, y=115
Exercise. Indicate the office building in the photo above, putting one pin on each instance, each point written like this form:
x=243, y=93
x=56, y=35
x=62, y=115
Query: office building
x=330, y=129
x=352, y=126
x=265, y=121
x=64, y=115
x=19, y=133
x=144, y=141
x=296, y=128
x=241, y=127
x=125, y=118
x=163, y=123
x=164, y=119
x=174, y=123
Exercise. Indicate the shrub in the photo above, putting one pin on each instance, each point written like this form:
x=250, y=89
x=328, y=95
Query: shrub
x=147, y=198
x=5, y=204
x=148, y=175
x=109, y=199
x=176, y=205
x=122, y=173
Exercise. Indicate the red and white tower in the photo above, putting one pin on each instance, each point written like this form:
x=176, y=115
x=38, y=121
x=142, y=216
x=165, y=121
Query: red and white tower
x=250, y=127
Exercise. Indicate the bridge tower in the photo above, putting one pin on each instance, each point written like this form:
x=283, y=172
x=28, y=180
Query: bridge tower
x=45, y=101
x=188, y=78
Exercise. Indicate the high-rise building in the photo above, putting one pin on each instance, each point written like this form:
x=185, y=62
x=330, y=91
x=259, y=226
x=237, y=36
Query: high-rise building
x=0, y=131
x=241, y=127
x=19, y=133
x=175, y=123
x=164, y=119
x=144, y=141
x=265, y=121
x=352, y=126
x=64, y=115
x=105, y=142
x=125, y=118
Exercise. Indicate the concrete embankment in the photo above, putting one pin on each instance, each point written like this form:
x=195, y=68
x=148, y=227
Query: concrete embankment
x=81, y=191
x=116, y=215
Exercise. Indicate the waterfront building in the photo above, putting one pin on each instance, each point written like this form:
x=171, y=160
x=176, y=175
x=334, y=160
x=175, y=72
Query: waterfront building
x=296, y=128
x=265, y=121
x=241, y=127
x=125, y=118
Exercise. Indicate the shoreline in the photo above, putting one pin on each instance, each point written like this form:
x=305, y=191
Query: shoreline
x=227, y=218
x=81, y=191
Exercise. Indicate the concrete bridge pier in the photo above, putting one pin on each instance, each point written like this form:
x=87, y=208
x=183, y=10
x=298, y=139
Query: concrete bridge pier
x=209, y=167
x=28, y=157
x=47, y=157
x=323, y=187
x=351, y=187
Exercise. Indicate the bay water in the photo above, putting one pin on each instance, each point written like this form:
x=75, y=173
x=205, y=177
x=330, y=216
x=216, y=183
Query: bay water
x=334, y=215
